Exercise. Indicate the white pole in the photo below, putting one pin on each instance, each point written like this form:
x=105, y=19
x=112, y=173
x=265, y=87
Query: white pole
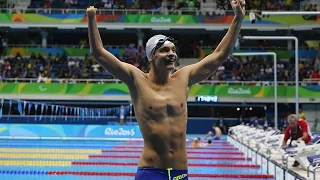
x=131, y=112
x=296, y=57
x=291, y=13
x=274, y=79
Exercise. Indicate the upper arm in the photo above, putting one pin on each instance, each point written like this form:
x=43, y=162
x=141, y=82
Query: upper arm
x=305, y=130
x=114, y=66
x=304, y=127
x=203, y=69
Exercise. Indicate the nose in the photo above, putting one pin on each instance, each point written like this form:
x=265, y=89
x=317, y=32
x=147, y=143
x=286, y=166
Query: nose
x=172, y=54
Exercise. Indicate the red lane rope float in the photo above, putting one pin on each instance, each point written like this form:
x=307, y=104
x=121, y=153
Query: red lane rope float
x=227, y=153
x=190, y=165
x=189, y=148
x=213, y=142
x=191, y=158
x=190, y=152
x=90, y=173
x=117, y=174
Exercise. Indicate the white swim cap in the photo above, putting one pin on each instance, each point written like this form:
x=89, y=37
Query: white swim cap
x=153, y=42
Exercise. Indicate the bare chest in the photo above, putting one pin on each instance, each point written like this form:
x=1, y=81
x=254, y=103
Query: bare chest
x=163, y=101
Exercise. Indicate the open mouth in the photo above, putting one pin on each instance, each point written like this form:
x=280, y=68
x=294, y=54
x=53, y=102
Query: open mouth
x=170, y=61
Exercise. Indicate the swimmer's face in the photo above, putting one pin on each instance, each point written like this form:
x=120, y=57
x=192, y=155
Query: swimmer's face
x=165, y=56
x=196, y=140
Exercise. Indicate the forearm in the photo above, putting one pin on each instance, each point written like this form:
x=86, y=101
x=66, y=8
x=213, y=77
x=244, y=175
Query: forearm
x=227, y=44
x=95, y=42
x=304, y=137
x=284, y=143
x=103, y=57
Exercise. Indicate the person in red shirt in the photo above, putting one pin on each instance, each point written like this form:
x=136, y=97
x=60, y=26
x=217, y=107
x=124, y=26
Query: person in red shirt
x=315, y=75
x=298, y=130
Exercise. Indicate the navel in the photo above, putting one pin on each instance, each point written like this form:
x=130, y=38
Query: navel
x=181, y=104
x=150, y=107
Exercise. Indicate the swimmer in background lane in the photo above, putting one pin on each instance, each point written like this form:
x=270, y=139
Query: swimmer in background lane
x=196, y=143
x=216, y=135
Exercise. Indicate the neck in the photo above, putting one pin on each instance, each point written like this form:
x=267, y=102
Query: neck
x=159, y=77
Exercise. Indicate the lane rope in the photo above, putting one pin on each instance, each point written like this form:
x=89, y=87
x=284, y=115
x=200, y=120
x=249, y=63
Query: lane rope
x=117, y=174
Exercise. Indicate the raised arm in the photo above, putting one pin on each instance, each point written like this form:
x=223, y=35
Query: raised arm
x=108, y=61
x=203, y=69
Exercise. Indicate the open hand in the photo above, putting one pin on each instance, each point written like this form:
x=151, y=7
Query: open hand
x=238, y=7
x=91, y=11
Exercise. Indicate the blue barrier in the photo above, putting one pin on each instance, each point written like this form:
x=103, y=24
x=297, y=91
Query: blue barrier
x=194, y=125
x=70, y=131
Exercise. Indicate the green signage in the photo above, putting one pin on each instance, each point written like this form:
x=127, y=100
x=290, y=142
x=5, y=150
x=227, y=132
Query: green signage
x=158, y=19
x=121, y=89
x=151, y=18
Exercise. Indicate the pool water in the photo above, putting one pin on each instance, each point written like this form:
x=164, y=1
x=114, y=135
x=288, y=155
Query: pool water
x=86, y=160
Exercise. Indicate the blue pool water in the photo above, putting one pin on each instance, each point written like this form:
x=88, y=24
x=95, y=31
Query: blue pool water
x=33, y=159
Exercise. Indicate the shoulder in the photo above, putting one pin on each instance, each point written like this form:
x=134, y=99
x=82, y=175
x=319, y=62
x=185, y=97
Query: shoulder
x=137, y=73
x=181, y=74
x=302, y=122
x=182, y=71
x=138, y=78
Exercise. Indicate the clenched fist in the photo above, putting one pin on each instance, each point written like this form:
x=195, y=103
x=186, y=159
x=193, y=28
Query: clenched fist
x=238, y=7
x=91, y=11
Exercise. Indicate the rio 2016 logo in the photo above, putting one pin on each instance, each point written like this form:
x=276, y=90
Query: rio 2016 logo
x=119, y=132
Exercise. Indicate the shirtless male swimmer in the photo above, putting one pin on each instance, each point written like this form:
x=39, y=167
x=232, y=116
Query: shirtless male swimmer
x=160, y=96
x=216, y=135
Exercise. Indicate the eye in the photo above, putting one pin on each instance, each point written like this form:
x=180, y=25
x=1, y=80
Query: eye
x=164, y=50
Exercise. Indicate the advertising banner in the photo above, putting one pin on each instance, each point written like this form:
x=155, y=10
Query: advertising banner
x=121, y=89
x=70, y=130
x=151, y=18
x=12, y=51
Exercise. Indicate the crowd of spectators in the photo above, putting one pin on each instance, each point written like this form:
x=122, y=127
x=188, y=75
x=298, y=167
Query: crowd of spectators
x=263, y=4
x=258, y=68
x=101, y=4
x=60, y=66
x=68, y=68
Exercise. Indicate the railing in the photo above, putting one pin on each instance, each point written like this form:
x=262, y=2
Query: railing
x=62, y=80
x=252, y=47
x=124, y=46
x=305, y=82
x=311, y=80
x=162, y=10
x=193, y=11
x=60, y=46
